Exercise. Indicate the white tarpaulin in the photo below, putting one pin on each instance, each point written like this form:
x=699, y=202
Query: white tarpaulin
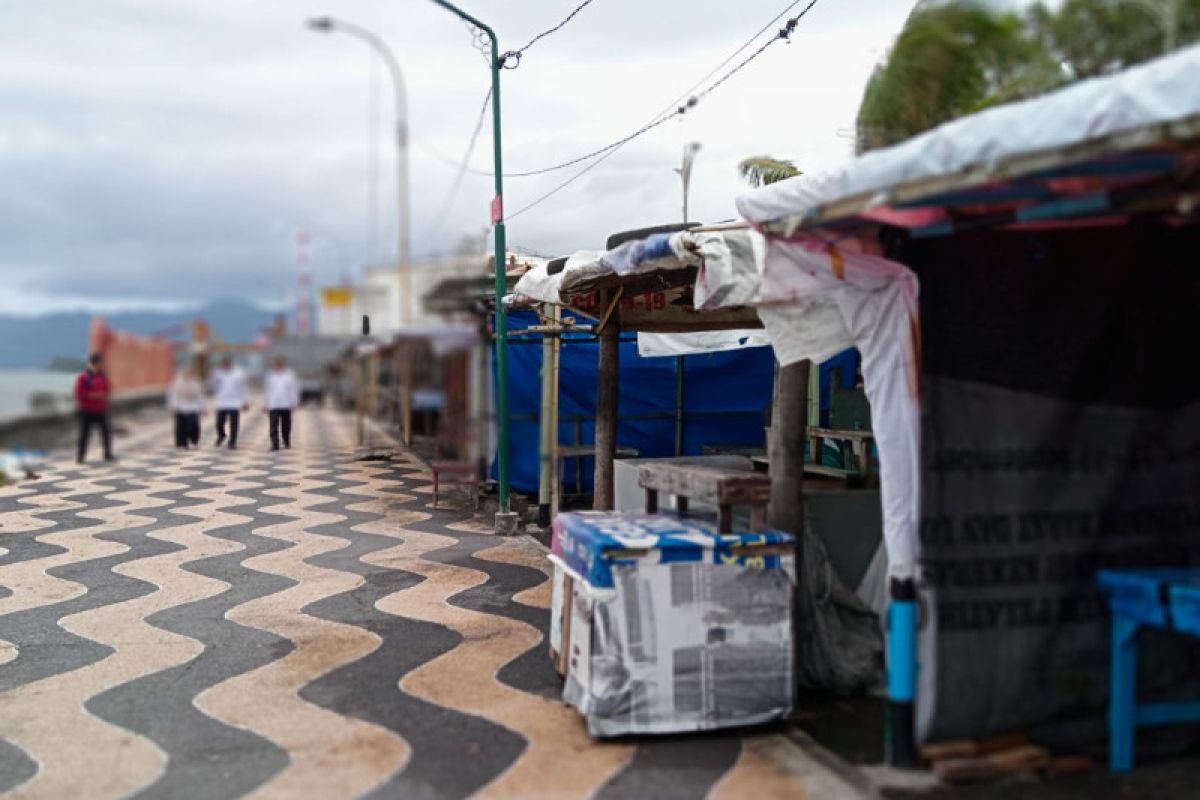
x=683, y=344
x=539, y=284
x=725, y=260
x=816, y=300
x=1161, y=91
x=819, y=300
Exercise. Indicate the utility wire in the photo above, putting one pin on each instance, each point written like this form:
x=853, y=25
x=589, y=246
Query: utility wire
x=515, y=55
x=448, y=203
x=678, y=106
x=692, y=99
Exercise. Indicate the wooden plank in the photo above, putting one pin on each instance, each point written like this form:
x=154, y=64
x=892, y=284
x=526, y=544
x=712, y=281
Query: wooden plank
x=758, y=518
x=582, y=450
x=827, y=472
x=564, y=644
x=836, y=433
x=725, y=518
x=1001, y=742
x=957, y=748
x=718, y=486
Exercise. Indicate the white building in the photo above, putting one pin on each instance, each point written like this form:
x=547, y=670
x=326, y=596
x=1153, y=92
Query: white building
x=340, y=309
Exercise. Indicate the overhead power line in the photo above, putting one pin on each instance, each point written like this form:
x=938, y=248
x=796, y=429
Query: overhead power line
x=448, y=202
x=681, y=105
x=676, y=107
x=514, y=56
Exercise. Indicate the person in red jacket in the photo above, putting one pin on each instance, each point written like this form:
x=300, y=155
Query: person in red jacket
x=92, y=392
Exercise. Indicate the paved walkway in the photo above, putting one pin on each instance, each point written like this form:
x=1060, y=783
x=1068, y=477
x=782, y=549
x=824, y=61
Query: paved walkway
x=224, y=623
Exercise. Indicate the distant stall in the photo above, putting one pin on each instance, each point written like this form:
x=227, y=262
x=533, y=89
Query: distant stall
x=641, y=286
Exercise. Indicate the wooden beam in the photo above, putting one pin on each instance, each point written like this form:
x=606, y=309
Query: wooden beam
x=606, y=409
x=785, y=449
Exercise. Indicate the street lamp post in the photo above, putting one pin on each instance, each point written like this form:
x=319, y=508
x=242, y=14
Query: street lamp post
x=502, y=455
x=404, y=254
x=685, y=172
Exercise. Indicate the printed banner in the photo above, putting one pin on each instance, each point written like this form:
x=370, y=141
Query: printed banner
x=1061, y=436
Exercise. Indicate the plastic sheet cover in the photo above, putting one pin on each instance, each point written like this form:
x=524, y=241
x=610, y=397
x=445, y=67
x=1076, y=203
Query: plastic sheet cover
x=682, y=647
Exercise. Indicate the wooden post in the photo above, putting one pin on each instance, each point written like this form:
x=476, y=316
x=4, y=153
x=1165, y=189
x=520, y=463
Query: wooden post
x=785, y=451
x=360, y=405
x=785, y=448
x=406, y=392
x=545, y=450
x=606, y=410
x=555, y=352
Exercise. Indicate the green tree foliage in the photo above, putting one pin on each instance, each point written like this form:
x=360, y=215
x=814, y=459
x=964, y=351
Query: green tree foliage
x=1097, y=37
x=950, y=60
x=957, y=57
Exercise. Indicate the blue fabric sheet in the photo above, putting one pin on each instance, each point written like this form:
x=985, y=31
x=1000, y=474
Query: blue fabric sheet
x=736, y=383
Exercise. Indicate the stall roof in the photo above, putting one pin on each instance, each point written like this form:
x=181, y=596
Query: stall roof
x=1124, y=130
x=644, y=285
x=464, y=294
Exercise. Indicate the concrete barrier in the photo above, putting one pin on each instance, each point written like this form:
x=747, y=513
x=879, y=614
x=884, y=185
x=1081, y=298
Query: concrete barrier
x=51, y=429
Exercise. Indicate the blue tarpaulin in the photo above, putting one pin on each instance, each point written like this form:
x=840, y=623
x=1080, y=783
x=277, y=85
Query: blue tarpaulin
x=725, y=399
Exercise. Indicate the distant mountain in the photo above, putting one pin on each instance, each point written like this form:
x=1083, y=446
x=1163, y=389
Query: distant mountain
x=36, y=341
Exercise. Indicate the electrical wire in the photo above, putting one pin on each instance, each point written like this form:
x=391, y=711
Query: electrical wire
x=515, y=55
x=452, y=195
x=692, y=99
x=677, y=107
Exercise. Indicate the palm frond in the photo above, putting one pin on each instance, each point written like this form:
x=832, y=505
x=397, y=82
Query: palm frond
x=763, y=170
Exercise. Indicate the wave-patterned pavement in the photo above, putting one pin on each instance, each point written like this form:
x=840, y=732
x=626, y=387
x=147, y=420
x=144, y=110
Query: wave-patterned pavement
x=216, y=623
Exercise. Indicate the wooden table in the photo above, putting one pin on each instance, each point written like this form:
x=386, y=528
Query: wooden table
x=723, y=487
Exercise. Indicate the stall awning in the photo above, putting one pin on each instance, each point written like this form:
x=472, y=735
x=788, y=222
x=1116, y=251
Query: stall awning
x=1094, y=148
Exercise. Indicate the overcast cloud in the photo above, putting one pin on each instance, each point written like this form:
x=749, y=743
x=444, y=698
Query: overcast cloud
x=158, y=153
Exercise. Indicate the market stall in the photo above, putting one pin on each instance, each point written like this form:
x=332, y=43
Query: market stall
x=1031, y=426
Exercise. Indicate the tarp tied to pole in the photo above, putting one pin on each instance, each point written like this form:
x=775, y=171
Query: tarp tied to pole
x=816, y=300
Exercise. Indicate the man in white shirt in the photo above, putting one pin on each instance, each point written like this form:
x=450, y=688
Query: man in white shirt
x=186, y=399
x=281, y=392
x=231, y=397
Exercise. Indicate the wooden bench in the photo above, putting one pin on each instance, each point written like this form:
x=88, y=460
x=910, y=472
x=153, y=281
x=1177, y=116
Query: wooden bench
x=860, y=442
x=723, y=487
x=582, y=451
x=456, y=473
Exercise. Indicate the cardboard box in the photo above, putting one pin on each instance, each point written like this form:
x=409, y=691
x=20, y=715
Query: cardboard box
x=665, y=625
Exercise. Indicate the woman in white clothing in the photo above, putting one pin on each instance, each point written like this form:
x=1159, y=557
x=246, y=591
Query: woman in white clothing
x=281, y=392
x=186, y=399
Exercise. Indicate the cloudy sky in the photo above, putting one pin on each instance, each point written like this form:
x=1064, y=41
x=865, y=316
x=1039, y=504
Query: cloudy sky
x=166, y=152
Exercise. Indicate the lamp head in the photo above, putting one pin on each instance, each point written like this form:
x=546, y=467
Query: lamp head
x=322, y=24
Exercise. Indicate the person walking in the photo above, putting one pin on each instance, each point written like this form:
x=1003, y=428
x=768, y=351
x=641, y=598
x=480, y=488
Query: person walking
x=92, y=394
x=231, y=398
x=281, y=392
x=186, y=399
